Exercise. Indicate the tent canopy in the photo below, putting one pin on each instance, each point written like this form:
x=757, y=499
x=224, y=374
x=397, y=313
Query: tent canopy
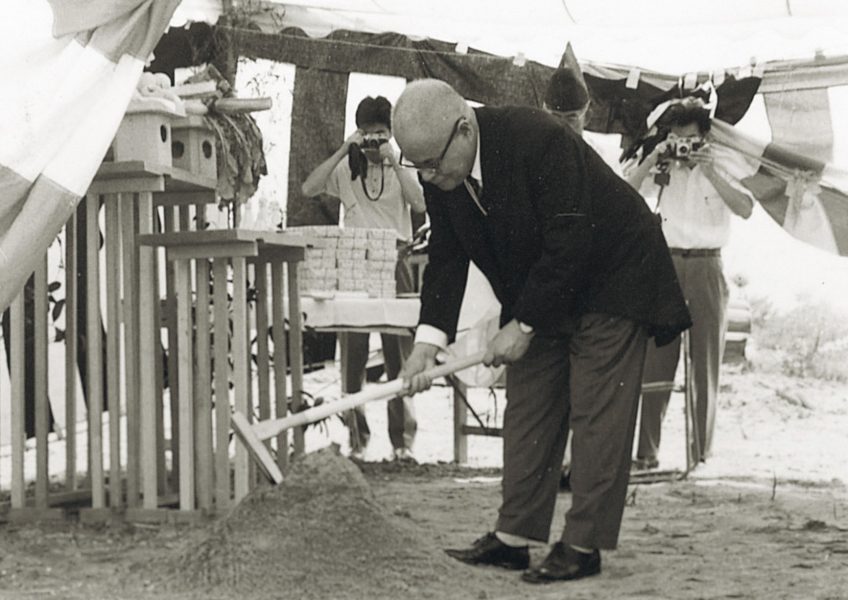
x=671, y=36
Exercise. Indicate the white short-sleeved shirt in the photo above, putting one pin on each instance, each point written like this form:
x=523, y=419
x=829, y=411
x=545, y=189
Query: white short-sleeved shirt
x=693, y=213
x=388, y=211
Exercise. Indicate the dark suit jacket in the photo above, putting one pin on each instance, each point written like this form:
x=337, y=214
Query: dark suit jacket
x=564, y=235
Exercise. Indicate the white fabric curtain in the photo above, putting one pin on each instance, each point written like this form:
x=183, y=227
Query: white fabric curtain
x=68, y=70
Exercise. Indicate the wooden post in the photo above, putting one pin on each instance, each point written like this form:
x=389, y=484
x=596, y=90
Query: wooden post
x=130, y=319
x=460, y=414
x=184, y=354
x=149, y=355
x=159, y=367
x=42, y=406
x=94, y=354
x=296, y=349
x=113, y=346
x=260, y=269
x=348, y=416
x=280, y=359
x=18, y=381
x=173, y=363
x=240, y=371
x=203, y=381
x=222, y=382
x=71, y=352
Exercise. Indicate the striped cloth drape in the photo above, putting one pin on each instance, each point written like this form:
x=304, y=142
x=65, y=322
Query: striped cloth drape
x=806, y=196
x=68, y=69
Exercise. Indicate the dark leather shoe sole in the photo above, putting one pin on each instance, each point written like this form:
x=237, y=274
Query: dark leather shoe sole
x=516, y=565
x=545, y=576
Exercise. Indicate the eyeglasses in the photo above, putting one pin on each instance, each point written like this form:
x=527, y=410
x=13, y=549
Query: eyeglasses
x=434, y=164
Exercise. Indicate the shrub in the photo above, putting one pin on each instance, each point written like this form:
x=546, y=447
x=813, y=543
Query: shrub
x=811, y=338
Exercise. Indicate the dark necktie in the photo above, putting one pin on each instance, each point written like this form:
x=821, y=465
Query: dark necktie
x=473, y=188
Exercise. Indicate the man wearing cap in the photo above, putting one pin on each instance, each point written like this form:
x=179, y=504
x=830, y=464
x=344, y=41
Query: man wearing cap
x=567, y=99
x=584, y=278
x=698, y=189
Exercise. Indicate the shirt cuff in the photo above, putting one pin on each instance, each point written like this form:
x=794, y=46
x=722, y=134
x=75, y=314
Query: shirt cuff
x=427, y=334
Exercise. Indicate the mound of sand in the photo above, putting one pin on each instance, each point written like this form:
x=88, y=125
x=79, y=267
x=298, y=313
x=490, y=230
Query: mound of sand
x=320, y=534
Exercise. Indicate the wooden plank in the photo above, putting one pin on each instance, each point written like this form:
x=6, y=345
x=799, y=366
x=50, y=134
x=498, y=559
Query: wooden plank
x=185, y=359
x=182, y=198
x=113, y=347
x=161, y=516
x=271, y=239
x=263, y=361
x=295, y=349
x=129, y=270
x=401, y=331
x=349, y=416
x=181, y=180
x=213, y=250
x=149, y=354
x=42, y=407
x=129, y=169
x=255, y=447
x=250, y=327
x=159, y=371
x=240, y=371
x=203, y=384
x=135, y=175
x=71, y=310
x=101, y=516
x=201, y=89
x=122, y=186
x=484, y=431
x=94, y=354
x=281, y=253
x=280, y=359
x=460, y=415
x=185, y=217
x=221, y=325
x=170, y=308
x=35, y=515
x=18, y=384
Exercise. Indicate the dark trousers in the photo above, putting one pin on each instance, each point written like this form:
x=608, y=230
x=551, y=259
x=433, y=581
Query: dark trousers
x=705, y=289
x=401, y=413
x=591, y=381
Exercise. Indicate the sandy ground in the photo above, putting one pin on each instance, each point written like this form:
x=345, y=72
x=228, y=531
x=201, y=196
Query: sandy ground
x=766, y=517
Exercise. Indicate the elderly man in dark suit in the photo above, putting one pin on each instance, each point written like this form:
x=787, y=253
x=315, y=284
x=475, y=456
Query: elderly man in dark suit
x=584, y=276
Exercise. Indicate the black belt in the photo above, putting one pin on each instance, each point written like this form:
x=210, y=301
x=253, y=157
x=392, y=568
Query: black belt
x=695, y=252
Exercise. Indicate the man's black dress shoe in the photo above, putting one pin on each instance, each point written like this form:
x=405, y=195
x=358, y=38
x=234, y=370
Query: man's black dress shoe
x=489, y=550
x=562, y=564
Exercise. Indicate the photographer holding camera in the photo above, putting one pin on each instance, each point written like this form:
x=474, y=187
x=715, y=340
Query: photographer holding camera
x=376, y=192
x=697, y=185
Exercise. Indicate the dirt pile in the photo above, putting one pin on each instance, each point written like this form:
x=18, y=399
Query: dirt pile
x=320, y=534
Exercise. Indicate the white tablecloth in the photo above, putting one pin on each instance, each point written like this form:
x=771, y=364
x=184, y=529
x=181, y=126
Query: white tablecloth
x=360, y=312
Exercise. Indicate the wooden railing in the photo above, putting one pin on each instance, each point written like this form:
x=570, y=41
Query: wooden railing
x=152, y=438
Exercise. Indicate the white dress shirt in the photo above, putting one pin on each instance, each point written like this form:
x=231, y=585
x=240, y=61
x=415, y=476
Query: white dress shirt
x=427, y=333
x=693, y=213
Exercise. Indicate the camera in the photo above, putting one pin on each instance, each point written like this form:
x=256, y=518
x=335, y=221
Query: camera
x=356, y=158
x=680, y=148
x=372, y=141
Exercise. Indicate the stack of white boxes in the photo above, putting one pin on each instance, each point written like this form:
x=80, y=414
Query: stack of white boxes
x=353, y=259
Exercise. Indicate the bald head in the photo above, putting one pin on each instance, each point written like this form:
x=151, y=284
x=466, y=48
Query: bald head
x=430, y=120
x=426, y=112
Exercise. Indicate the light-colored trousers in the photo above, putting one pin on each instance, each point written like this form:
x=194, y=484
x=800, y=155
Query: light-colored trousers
x=705, y=289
